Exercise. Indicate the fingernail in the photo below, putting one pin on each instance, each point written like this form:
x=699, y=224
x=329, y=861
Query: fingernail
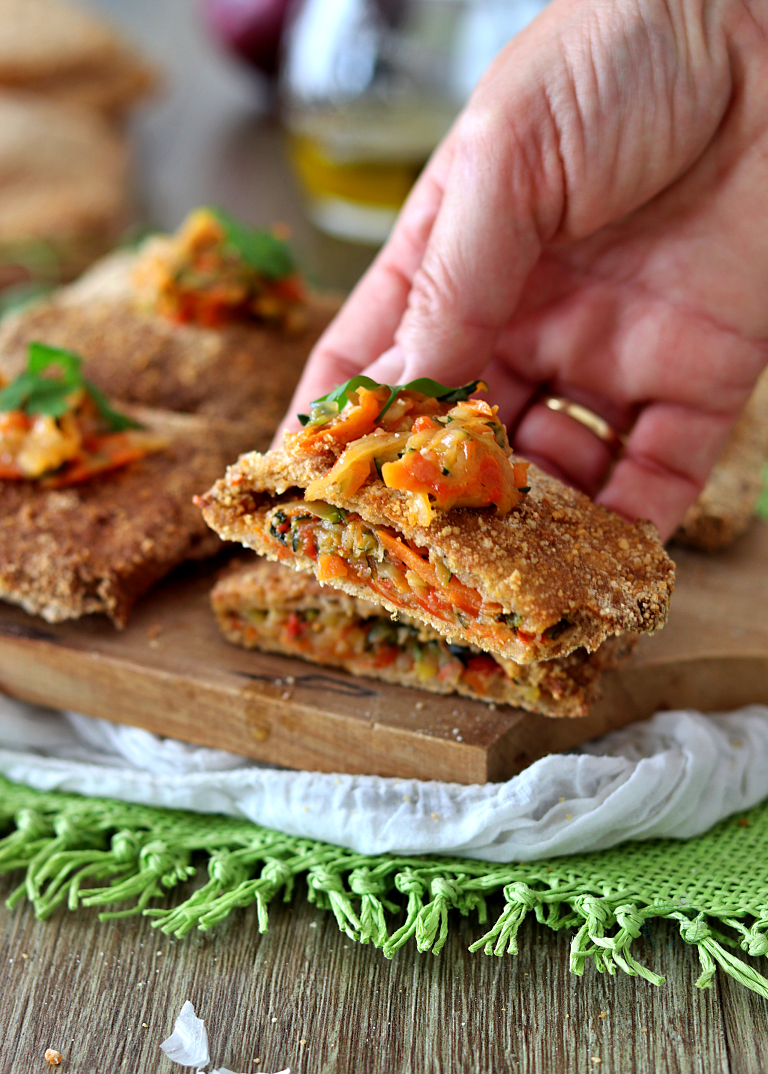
x=388, y=367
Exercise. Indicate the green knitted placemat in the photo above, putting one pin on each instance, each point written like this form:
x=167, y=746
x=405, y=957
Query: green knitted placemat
x=101, y=852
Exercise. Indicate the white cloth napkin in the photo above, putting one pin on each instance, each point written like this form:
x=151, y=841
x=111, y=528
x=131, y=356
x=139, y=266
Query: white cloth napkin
x=674, y=775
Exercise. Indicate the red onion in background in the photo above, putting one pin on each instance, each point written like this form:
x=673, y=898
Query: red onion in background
x=249, y=28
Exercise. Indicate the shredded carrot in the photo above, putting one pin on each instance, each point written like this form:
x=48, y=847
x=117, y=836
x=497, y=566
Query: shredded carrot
x=329, y=565
x=360, y=420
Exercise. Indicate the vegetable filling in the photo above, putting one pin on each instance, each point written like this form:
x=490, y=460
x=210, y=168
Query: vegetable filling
x=214, y=271
x=443, y=450
x=330, y=636
x=58, y=428
x=345, y=547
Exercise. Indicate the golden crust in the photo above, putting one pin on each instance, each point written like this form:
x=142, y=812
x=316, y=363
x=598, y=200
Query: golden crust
x=567, y=686
x=727, y=502
x=243, y=372
x=97, y=547
x=557, y=556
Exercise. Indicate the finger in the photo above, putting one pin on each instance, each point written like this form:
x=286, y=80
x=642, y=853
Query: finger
x=366, y=324
x=621, y=340
x=667, y=459
x=565, y=447
x=482, y=246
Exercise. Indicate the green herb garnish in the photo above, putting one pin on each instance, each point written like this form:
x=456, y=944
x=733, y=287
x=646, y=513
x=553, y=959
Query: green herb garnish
x=340, y=395
x=35, y=391
x=261, y=250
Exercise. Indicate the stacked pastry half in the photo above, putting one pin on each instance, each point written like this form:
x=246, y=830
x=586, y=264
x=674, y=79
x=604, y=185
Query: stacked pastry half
x=428, y=554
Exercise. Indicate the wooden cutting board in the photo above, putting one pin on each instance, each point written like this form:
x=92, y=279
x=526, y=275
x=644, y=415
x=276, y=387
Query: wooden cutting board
x=171, y=672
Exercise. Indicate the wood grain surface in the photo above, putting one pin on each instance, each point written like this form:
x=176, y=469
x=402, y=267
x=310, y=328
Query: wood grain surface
x=304, y=996
x=102, y=995
x=172, y=673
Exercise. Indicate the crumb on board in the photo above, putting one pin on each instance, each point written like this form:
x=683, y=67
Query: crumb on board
x=595, y=1059
x=743, y=822
x=153, y=630
x=603, y=1014
x=53, y=1057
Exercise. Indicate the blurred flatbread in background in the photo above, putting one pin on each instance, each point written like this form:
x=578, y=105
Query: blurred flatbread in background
x=61, y=50
x=63, y=188
x=728, y=500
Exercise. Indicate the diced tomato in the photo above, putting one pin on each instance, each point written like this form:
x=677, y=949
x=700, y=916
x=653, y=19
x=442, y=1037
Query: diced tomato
x=291, y=289
x=307, y=542
x=478, y=671
x=385, y=656
x=9, y=472
x=424, y=422
x=294, y=626
x=14, y=419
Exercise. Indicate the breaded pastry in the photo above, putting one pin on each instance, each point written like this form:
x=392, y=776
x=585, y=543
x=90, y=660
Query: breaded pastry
x=98, y=546
x=727, y=502
x=63, y=188
x=555, y=572
x=245, y=372
x=264, y=605
x=59, y=49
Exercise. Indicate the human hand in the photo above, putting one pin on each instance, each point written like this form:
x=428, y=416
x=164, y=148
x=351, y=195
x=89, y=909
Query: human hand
x=595, y=222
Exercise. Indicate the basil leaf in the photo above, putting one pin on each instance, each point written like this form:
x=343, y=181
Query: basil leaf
x=50, y=397
x=433, y=388
x=40, y=356
x=16, y=394
x=261, y=251
x=116, y=421
x=36, y=393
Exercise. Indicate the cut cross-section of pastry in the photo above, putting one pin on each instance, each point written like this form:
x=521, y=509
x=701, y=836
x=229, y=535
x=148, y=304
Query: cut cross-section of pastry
x=528, y=572
x=263, y=605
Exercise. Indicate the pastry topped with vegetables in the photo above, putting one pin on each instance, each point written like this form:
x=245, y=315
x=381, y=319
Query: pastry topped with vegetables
x=214, y=271
x=436, y=444
x=212, y=320
x=529, y=569
x=93, y=513
x=58, y=428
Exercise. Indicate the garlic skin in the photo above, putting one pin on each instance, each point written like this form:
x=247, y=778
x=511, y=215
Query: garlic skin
x=188, y=1044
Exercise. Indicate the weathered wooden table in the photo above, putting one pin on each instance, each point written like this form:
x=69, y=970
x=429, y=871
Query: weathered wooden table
x=304, y=995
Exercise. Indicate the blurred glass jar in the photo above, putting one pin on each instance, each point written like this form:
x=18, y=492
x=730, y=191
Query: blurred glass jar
x=371, y=86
